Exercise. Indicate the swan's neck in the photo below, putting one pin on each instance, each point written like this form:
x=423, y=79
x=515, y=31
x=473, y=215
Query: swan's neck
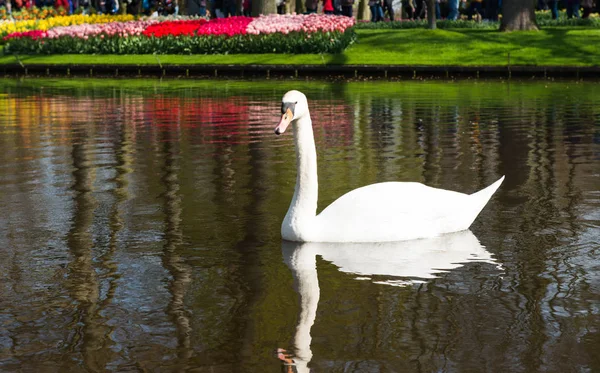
x=303, y=208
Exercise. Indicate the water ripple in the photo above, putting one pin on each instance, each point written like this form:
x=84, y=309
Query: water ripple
x=140, y=227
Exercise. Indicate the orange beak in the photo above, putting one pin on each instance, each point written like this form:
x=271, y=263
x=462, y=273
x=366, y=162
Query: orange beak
x=285, y=121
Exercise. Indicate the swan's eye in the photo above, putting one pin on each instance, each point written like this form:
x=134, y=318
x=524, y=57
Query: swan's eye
x=288, y=105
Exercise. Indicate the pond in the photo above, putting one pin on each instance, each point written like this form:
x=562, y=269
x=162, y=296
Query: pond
x=140, y=228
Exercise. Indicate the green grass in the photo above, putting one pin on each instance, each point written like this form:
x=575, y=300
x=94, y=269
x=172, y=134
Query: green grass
x=550, y=47
x=456, y=47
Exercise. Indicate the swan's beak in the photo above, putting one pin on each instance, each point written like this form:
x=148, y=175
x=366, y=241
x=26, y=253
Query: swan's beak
x=285, y=121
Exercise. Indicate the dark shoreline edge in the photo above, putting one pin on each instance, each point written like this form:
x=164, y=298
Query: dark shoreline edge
x=390, y=72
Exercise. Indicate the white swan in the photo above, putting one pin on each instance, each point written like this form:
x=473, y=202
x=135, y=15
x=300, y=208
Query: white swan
x=391, y=211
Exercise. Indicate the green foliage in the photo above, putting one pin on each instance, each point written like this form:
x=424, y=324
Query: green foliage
x=566, y=22
x=293, y=43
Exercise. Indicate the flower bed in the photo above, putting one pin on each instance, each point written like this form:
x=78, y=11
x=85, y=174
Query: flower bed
x=8, y=28
x=300, y=23
x=266, y=34
x=173, y=28
x=225, y=26
x=122, y=29
x=33, y=13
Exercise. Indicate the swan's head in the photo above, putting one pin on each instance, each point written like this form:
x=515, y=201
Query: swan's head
x=293, y=107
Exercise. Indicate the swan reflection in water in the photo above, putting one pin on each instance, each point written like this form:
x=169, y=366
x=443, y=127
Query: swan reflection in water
x=402, y=263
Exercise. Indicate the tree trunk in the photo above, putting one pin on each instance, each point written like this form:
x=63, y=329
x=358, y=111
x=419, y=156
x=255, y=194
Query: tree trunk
x=263, y=7
x=518, y=15
x=300, y=6
x=431, y=14
x=364, y=13
x=183, y=7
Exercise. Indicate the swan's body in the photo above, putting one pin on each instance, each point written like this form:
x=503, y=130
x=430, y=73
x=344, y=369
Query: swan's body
x=392, y=211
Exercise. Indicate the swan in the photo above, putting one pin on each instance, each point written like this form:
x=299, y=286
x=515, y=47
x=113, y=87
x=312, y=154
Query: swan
x=383, y=212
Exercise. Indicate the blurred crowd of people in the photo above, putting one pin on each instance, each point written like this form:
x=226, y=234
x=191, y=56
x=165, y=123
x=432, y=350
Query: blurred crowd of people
x=226, y=8
x=572, y=7
x=380, y=9
x=404, y=9
x=472, y=9
x=135, y=7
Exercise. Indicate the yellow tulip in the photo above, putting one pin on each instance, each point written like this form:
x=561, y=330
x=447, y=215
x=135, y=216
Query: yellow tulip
x=46, y=24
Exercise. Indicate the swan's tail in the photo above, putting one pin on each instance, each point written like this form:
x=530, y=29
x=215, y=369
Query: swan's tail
x=480, y=199
x=487, y=193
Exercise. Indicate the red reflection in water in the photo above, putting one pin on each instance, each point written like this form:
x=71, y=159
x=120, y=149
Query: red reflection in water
x=240, y=119
x=231, y=120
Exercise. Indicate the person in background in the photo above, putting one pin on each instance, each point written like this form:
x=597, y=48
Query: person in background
x=542, y=5
x=311, y=6
x=202, y=8
x=409, y=8
x=133, y=7
x=453, y=10
x=280, y=6
x=376, y=10
x=229, y=8
x=347, y=6
x=492, y=9
x=337, y=7
x=22, y=4
x=61, y=4
x=421, y=11
x=85, y=6
x=7, y=5
x=195, y=8
x=573, y=8
x=17, y=5
x=328, y=7
x=164, y=7
x=588, y=7
x=114, y=6
x=553, y=5
x=217, y=9
x=247, y=8
x=388, y=7
x=475, y=7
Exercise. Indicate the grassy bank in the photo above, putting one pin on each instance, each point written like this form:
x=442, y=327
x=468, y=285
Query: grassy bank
x=493, y=91
x=455, y=47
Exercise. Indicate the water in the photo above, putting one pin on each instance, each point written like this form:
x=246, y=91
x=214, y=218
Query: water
x=140, y=228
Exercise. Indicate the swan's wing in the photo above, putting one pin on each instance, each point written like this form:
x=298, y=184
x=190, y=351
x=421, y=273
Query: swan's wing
x=392, y=211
